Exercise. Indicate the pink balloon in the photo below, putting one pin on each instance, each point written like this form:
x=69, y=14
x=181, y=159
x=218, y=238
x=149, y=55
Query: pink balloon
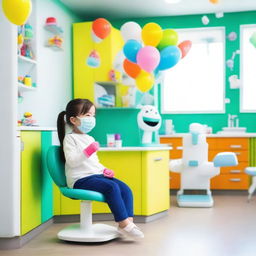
x=148, y=58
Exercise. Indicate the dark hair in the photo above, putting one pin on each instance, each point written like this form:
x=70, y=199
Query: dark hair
x=74, y=108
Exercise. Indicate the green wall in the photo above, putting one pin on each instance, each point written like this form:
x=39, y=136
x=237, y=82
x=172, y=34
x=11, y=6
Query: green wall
x=231, y=22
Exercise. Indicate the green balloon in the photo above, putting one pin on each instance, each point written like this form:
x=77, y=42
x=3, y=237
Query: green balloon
x=170, y=37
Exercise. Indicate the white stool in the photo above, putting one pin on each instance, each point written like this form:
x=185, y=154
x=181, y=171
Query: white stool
x=251, y=171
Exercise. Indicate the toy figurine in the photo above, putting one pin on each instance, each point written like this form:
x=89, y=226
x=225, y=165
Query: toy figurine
x=55, y=41
x=149, y=120
x=27, y=120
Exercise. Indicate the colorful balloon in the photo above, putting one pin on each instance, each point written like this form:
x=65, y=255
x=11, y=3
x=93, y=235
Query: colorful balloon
x=148, y=58
x=131, y=69
x=131, y=30
x=151, y=34
x=101, y=28
x=170, y=37
x=144, y=81
x=170, y=56
x=185, y=47
x=131, y=49
x=17, y=11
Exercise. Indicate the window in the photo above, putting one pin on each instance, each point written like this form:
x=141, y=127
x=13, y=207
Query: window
x=247, y=68
x=196, y=83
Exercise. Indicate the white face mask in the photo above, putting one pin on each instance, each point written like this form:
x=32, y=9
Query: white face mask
x=87, y=123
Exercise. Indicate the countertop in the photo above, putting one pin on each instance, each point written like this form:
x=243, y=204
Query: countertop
x=148, y=148
x=217, y=135
x=36, y=128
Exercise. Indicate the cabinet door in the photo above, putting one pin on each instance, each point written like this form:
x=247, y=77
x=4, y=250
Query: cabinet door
x=83, y=74
x=30, y=181
x=155, y=182
x=127, y=167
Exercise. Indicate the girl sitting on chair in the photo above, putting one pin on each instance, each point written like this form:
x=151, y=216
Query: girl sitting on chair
x=83, y=169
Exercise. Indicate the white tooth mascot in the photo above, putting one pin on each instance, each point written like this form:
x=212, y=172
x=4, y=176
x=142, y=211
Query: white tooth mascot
x=149, y=120
x=195, y=170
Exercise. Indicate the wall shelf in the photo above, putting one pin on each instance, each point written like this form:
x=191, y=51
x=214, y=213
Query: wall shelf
x=24, y=88
x=54, y=29
x=26, y=59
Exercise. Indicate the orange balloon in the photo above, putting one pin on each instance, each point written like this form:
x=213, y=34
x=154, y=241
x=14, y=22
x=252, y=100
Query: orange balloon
x=101, y=28
x=214, y=1
x=131, y=69
x=185, y=47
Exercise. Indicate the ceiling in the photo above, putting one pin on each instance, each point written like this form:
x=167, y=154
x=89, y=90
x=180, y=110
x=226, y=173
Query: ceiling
x=117, y=9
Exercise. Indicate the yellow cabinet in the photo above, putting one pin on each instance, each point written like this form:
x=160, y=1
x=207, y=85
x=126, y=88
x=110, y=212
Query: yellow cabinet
x=30, y=180
x=84, y=75
x=145, y=172
x=155, y=182
x=127, y=167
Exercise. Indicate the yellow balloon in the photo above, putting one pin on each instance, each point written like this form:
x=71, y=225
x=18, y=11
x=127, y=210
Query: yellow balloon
x=144, y=81
x=17, y=11
x=151, y=34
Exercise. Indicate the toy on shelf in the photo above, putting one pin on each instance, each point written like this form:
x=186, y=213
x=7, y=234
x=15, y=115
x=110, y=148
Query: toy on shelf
x=20, y=38
x=56, y=41
x=195, y=169
x=27, y=120
x=149, y=120
x=25, y=38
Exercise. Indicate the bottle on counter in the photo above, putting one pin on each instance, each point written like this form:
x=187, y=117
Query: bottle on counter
x=118, y=141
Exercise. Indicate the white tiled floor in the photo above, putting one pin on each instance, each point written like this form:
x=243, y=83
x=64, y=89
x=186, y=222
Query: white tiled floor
x=227, y=229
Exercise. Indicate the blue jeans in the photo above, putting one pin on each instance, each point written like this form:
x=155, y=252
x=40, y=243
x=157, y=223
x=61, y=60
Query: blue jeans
x=117, y=194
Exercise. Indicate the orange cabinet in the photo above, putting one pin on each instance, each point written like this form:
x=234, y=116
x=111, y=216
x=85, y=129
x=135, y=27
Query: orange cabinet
x=229, y=177
x=232, y=177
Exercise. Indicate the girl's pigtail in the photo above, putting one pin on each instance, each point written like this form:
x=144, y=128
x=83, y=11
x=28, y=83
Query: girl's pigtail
x=61, y=131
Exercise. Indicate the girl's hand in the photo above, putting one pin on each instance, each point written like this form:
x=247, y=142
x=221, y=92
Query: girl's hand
x=92, y=148
x=108, y=173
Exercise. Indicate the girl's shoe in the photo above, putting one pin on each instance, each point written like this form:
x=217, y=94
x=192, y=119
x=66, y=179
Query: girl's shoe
x=131, y=231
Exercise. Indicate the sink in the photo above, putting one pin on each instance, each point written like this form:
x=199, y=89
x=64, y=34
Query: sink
x=233, y=130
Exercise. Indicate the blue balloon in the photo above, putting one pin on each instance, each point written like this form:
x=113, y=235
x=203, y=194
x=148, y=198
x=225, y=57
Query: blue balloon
x=131, y=49
x=169, y=57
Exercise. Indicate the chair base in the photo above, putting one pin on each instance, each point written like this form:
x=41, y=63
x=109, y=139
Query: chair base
x=195, y=201
x=96, y=233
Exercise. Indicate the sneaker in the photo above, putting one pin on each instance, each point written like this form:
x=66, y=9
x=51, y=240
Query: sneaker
x=131, y=231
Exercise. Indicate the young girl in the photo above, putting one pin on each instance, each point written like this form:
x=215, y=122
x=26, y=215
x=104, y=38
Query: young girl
x=83, y=169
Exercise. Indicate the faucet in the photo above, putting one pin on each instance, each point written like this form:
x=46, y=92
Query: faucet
x=232, y=119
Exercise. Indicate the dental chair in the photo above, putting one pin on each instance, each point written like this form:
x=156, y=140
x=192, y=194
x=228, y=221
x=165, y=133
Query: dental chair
x=85, y=231
x=251, y=171
x=195, y=169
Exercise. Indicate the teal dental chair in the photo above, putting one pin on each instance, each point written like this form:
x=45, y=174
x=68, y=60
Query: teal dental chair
x=85, y=231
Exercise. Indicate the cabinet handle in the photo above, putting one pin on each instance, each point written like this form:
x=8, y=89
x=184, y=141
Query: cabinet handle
x=235, y=171
x=179, y=148
x=235, y=180
x=158, y=159
x=235, y=146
